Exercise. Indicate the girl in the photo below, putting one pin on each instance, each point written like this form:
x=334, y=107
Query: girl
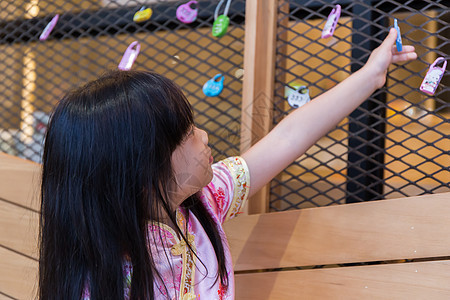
x=132, y=206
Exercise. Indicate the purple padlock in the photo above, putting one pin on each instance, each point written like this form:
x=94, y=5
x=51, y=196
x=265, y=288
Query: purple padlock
x=332, y=21
x=129, y=56
x=433, y=77
x=46, y=32
x=187, y=13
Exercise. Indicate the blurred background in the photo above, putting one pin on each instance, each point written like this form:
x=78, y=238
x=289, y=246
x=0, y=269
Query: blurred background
x=396, y=144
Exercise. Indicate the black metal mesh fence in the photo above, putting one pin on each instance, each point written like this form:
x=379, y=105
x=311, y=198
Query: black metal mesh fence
x=395, y=144
x=91, y=37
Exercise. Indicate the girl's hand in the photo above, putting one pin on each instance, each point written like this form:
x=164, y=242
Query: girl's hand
x=384, y=55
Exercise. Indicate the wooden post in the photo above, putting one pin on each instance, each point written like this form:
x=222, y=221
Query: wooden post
x=258, y=86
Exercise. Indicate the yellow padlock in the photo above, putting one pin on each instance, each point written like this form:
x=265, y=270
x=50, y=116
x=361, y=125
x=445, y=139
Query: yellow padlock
x=142, y=15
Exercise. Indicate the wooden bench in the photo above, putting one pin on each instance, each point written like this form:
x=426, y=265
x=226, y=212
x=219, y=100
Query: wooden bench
x=19, y=207
x=403, y=243
x=392, y=249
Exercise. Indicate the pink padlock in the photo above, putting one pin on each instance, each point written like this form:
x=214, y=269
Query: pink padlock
x=433, y=77
x=46, y=32
x=332, y=21
x=129, y=56
x=187, y=13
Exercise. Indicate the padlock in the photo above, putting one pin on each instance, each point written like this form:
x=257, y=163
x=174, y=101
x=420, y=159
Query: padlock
x=187, y=13
x=433, y=77
x=221, y=22
x=129, y=56
x=299, y=97
x=220, y=26
x=331, y=23
x=142, y=15
x=214, y=86
x=46, y=32
x=398, y=41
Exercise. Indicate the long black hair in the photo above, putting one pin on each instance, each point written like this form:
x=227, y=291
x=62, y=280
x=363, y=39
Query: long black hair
x=106, y=170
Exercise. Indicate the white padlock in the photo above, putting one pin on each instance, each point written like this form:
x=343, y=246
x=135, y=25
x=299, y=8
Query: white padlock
x=299, y=97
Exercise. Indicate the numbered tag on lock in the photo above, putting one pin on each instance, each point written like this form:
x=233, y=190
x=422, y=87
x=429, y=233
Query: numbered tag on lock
x=299, y=97
x=433, y=77
x=142, y=15
x=331, y=23
x=221, y=22
x=214, y=86
x=129, y=56
x=187, y=13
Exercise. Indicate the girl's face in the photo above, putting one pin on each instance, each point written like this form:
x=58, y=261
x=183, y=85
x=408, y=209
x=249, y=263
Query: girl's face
x=191, y=163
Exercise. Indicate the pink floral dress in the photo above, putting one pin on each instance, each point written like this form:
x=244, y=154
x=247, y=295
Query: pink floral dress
x=183, y=276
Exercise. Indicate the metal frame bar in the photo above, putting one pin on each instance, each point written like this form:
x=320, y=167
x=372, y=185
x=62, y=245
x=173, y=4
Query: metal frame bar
x=104, y=21
x=366, y=134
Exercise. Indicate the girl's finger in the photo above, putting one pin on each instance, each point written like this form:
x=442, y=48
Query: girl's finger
x=390, y=39
x=404, y=56
x=406, y=49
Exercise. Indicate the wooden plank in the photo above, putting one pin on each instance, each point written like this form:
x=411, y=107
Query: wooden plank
x=19, y=181
x=19, y=228
x=5, y=297
x=410, y=227
x=425, y=280
x=258, y=85
x=18, y=275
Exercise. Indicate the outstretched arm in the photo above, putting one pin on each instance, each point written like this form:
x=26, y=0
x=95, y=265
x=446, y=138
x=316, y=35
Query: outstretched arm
x=302, y=128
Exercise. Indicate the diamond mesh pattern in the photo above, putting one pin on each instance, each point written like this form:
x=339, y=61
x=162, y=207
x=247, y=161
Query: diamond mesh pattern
x=396, y=143
x=90, y=38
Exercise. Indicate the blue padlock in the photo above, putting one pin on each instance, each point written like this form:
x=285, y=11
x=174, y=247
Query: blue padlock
x=398, y=41
x=214, y=86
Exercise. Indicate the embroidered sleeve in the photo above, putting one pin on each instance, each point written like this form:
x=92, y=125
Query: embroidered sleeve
x=228, y=191
x=241, y=177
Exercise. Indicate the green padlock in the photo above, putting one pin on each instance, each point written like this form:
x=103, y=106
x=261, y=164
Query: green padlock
x=220, y=26
x=221, y=22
